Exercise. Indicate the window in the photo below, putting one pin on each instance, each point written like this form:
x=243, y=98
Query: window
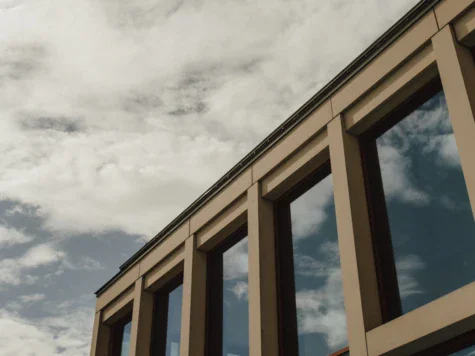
x=312, y=312
x=167, y=319
x=422, y=223
x=121, y=336
x=227, y=311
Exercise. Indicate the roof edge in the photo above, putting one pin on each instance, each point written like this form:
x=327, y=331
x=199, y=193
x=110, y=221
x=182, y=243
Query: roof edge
x=384, y=41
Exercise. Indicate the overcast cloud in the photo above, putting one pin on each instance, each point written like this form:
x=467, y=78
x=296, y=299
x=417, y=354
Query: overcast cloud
x=115, y=115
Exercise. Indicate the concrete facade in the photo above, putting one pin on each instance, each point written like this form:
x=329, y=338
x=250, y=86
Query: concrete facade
x=437, y=44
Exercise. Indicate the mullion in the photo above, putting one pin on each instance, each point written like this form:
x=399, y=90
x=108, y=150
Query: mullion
x=382, y=244
x=161, y=323
x=214, y=342
x=287, y=302
x=117, y=336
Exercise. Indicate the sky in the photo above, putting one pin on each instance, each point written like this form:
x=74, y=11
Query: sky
x=116, y=115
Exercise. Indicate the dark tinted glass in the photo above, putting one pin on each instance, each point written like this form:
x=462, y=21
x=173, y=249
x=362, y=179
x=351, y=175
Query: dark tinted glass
x=174, y=322
x=430, y=220
x=321, y=318
x=235, y=301
x=126, y=340
x=470, y=351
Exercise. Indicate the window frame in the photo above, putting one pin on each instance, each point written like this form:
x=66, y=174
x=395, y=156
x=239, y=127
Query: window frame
x=214, y=291
x=286, y=301
x=158, y=345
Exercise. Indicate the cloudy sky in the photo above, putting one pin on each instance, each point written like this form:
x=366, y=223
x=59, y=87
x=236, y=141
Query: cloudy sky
x=116, y=115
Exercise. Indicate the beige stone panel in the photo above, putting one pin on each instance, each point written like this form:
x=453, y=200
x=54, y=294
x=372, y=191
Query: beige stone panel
x=118, y=287
x=193, y=315
x=262, y=279
x=165, y=271
x=447, y=10
x=101, y=335
x=221, y=201
x=393, y=56
x=429, y=325
x=213, y=233
x=457, y=73
x=142, y=320
x=119, y=307
x=308, y=128
x=354, y=237
x=465, y=28
x=164, y=248
x=306, y=160
x=399, y=86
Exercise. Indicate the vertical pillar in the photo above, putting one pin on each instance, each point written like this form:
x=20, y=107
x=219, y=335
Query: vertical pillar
x=193, y=317
x=101, y=335
x=354, y=237
x=457, y=73
x=263, y=328
x=142, y=318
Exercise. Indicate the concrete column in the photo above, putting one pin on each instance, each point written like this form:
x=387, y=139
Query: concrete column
x=101, y=335
x=142, y=319
x=193, y=317
x=263, y=328
x=354, y=237
x=457, y=73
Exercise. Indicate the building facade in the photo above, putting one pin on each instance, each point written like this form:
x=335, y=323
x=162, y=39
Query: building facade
x=350, y=229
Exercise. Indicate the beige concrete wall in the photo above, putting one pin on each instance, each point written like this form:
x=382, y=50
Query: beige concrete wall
x=435, y=45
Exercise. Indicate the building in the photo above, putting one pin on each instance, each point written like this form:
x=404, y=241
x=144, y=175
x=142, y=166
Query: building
x=350, y=226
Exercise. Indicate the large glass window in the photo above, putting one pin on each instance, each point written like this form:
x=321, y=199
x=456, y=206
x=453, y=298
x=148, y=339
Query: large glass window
x=312, y=318
x=228, y=311
x=423, y=226
x=167, y=319
x=121, y=337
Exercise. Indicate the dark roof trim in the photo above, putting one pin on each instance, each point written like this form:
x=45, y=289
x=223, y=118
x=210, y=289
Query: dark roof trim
x=418, y=11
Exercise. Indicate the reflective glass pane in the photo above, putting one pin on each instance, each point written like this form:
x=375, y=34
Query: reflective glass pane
x=470, y=351
x=321, y=318
x=430, y=219
x=174, y=322
x=235, y=301
x=126, y=340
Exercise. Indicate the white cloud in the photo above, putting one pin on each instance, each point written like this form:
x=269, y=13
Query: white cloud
x=65, y=332
x=32, y=298
x=240, y=289
x=17, y=271
x=131, y=114
x=396, y=176
x=235, y=261
x=308, y=211
x=428, y=132
x=320, y=305
x=322, y=311
x=11, y=236
x=24, y=301
x=408, y=283
x=88, y=264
